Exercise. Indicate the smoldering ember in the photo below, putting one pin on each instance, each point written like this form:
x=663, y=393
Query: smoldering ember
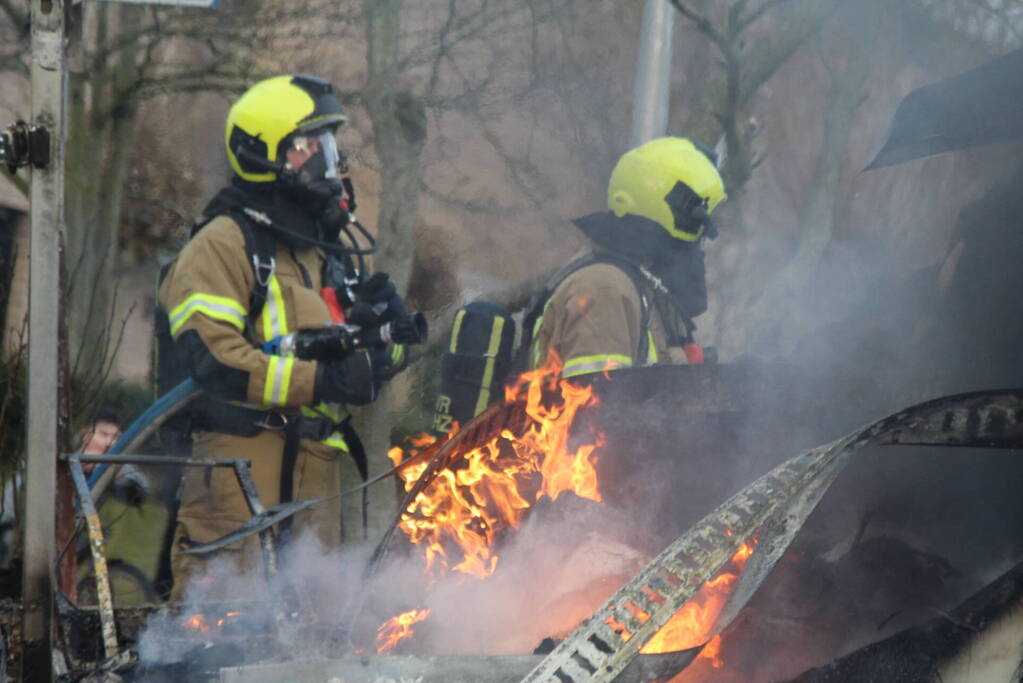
x=463, y=341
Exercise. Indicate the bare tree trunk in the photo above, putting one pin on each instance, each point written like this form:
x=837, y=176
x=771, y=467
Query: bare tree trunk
x=101, y=129
x=399, y=128
x=775, y=317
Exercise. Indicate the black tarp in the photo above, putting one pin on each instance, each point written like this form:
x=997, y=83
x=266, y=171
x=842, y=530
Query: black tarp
x=979, y=107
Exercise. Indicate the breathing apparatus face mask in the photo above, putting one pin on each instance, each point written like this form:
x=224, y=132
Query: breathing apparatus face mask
x=315, y=177
x=314, y=199
x=312, y=168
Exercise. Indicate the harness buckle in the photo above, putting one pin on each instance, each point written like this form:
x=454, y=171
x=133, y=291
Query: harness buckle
x=276, y=422
x=260, y=268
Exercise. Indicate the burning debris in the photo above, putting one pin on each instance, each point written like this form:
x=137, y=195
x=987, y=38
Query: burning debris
x=206, y=625
x=778, y=504
x=396, y=629
x=489, y=488
x=466, y=495
x=691, y=624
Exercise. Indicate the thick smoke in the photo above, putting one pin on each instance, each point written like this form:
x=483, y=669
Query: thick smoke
x=889, y=315
x=240, y=617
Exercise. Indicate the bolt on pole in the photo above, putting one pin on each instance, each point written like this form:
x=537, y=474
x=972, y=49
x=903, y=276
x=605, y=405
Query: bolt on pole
x=653, y=73
x=46, y=228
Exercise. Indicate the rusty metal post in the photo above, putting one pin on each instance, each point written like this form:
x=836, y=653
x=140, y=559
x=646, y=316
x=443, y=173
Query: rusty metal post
x=653, y=72
x=104, y=595
x=47, y=221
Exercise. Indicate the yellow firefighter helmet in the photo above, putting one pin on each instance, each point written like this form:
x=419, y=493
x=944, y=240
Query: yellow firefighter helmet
x=669, y=181
x=271, y=112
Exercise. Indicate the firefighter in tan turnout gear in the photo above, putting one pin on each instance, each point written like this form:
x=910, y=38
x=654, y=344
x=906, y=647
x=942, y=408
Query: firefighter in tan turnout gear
x=631, y=300
x=252, y=273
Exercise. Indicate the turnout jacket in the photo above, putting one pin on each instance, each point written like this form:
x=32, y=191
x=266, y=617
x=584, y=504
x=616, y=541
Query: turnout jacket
x=207, y=294
x=593, y=321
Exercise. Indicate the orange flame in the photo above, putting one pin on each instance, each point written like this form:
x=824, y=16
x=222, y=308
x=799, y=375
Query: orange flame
x=396, y=629
x=196, y=622
x=691, y=624
x=200, y=623
x=491, y=487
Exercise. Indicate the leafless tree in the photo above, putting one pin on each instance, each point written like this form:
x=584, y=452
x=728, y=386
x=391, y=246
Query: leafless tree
x=772, y=317
x=128, y=55
x=749, y=56
x=997, y=23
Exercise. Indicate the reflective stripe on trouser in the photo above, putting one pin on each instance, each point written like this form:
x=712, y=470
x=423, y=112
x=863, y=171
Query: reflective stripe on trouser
x=336, y=440
x=583, y=365
x=212, y=504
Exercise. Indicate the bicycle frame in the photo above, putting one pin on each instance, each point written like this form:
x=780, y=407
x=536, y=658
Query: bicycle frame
x=267, y=540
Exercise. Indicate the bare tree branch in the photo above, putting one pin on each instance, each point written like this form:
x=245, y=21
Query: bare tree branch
x=752, y=17
x=779, y=45
x=700, y=23
x=15, y=17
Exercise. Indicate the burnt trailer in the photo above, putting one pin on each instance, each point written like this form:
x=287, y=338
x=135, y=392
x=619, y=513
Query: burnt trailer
x=679, y=441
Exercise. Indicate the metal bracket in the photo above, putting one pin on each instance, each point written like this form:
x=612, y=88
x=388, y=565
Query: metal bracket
x=22, y=144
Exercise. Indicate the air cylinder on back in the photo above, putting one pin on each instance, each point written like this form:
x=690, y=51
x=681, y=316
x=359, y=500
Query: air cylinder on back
x=475, y=365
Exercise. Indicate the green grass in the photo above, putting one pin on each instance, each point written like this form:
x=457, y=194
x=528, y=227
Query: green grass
x=135, y=535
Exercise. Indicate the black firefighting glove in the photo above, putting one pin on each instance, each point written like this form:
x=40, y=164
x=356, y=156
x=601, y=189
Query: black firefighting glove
x=376, y=302
x=134, y=495
x=353, y=380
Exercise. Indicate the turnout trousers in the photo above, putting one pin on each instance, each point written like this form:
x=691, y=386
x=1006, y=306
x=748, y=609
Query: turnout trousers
x=212, y=505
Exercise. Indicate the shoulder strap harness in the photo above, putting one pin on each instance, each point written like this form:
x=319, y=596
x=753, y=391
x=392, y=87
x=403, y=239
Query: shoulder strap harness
x=260, y=248
x=639, y=276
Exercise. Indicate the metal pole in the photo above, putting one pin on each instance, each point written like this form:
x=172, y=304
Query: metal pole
x=47, y=219
x=653, y=71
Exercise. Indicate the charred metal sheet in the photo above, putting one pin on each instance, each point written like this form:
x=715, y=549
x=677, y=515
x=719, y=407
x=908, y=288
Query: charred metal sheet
x=104, y=597
x=439, y=669
x=773, y=539
x=606, y=642
x=781, y=500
